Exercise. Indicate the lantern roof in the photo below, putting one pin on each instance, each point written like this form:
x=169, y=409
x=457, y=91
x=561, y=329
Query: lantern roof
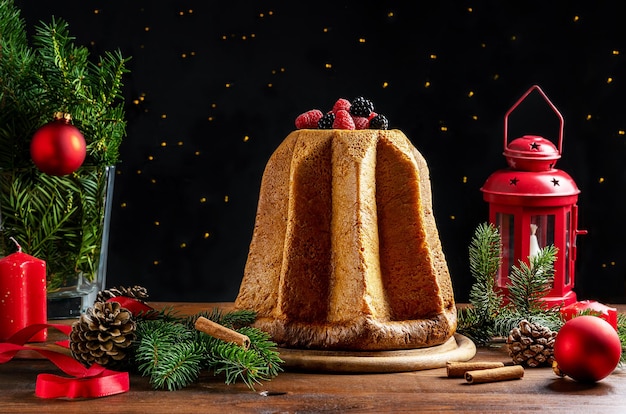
x=531, y=153
x=511, y=186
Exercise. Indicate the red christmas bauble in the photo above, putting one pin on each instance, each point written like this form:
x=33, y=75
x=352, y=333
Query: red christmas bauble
x=58, y=148
x=587, y=348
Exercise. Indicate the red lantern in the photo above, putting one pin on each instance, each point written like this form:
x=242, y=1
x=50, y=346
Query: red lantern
x=534, y=205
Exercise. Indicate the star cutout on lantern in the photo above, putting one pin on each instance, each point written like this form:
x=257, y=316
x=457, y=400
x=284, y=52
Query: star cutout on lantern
x=555, y=182
x=513, y=181
x=534, y=146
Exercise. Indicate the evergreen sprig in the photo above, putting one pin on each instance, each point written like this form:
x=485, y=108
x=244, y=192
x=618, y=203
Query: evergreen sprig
x=173, y=354
x=58, y=219
x=488, y=317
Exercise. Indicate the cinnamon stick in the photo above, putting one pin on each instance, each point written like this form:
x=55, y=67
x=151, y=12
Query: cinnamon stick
x=221, y=332
x=495, y=374
x=458, y=369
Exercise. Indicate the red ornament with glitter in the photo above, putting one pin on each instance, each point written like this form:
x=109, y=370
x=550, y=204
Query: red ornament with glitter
x=58, y=147
x=587, y=349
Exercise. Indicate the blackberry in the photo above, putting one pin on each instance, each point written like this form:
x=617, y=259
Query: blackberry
x=326, y=121
x=361, y=107
x=379, y=122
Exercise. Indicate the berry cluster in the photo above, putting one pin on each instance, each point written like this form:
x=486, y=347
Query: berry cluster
x=358, y=114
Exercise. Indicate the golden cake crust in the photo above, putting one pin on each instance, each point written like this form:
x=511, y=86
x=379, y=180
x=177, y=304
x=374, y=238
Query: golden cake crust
x=345, y=252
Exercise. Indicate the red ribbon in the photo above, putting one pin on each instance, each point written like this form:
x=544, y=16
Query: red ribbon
x=95, y=381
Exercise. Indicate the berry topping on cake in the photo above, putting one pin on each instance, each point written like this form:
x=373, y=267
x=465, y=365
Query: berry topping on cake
x=379, y=122
x=361, y=107
x=341, y=104
x=326, y=121
x=358, y=114
x=309, y=119
x=343, y=120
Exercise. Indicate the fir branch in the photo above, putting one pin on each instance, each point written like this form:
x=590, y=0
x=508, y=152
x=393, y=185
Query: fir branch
x=484, y=258
x=531, y=283
x=172, y=353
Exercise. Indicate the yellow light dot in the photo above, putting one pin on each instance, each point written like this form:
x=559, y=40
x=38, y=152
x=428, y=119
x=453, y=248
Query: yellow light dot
x=444, y=128
x=452, y=217
x=469, y=9
x=203, y=199
x=180, y=143
x=470, y=94
x=496, y=76
x=601, y=180
x=196, y=153
x=96, y=11
x=139, y=171
x=385, y=84
x=475, y=117
x=483, y=45
x=464, y=179
x=136, y=101
x=609, y=80
x=603, y=265
x=328, y=66
x=163, y=116
x=226, y=199
x=153, y=181
x=147, y=29
x=210, y=118
x=615, y=52
x=433, y=56
x=184, y=55
x=390, y=14
x=514, y=37
x=183, y=245
x=157, y=223
x=246, y=138
x=227, y=85
x=243, y=37
x=269, y=85
x=325, y=30
x=155, y=262
x=426, y=84
x=588, y=117
x=206, y=235
x=123, y=205
x=612, y=263
x=576, y=18
x=621, y=132
x=163, y=143
x=361, y=40
x=150, y=158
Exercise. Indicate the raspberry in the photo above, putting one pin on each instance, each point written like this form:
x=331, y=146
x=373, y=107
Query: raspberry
x=343, y=120
x=326, y=121
x=379, y=122
x=341, y=104
x=308, y=119
x=361, y=107
x=361, y=122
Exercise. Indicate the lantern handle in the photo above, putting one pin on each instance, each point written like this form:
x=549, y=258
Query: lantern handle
x=519, y=101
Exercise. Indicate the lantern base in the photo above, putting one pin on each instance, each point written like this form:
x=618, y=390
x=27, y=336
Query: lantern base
x=567, y=299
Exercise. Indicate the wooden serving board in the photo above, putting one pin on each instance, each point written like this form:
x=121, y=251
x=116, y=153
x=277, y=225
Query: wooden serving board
x=457, y=348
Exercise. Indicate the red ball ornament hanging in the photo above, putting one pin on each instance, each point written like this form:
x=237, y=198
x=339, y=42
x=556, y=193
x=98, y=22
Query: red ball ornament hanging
x=58, y=147
x=587, y=349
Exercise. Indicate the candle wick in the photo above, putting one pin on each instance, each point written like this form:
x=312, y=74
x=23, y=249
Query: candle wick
x=19, y=248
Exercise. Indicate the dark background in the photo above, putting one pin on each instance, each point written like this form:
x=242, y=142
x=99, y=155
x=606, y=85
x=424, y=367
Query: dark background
x=216, y=86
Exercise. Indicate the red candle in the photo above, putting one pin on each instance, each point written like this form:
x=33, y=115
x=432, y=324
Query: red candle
x=22, y=294
x=592, y=307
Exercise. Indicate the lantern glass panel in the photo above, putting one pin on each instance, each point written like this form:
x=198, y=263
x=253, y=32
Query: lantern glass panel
x=506, y=226
x=541, y=232
x=567, y=278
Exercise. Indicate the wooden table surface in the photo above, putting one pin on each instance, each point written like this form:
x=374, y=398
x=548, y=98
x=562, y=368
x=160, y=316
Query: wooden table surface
x=540, y=390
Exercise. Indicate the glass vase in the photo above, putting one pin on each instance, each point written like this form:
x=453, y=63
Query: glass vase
x=64, y=221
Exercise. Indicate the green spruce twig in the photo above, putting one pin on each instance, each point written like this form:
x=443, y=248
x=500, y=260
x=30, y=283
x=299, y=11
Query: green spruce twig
x=173, y=354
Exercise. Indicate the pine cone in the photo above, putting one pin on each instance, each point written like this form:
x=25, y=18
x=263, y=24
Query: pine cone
x=139, y=293
x=531, y=344
x=103, y=335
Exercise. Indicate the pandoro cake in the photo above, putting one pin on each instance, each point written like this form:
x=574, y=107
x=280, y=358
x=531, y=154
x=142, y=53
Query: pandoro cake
x=345, y=253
